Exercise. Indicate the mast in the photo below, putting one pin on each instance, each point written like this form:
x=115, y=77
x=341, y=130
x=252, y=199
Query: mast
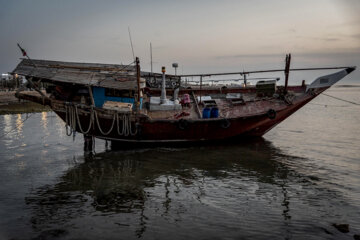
x=151, y=61
x=138, y=83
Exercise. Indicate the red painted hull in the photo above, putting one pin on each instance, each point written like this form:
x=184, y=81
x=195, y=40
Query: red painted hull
x=162, y=131
x=245, y=122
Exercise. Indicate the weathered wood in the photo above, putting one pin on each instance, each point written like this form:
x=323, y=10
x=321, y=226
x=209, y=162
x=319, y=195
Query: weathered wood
x=91, y=96
x=99, y=75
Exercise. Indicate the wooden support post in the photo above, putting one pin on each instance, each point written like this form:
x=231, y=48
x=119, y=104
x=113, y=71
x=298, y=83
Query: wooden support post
x=287, y=70
x=91, y=96
x=196, y=104
x=35, y=87
x=200, y=88
x=88, y=143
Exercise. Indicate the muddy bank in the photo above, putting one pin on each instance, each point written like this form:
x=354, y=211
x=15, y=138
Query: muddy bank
x=9, y=104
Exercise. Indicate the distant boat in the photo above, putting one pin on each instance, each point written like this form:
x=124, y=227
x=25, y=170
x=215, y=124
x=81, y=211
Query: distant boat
x=122, y=104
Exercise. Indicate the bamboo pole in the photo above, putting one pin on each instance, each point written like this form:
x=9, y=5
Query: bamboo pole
x=261, y=71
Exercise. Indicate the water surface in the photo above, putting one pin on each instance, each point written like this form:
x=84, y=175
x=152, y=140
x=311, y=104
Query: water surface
x=292, y=184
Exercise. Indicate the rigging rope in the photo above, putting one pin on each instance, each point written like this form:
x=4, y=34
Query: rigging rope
x=342, y=99
x=117, y=71
x=22, y=122
x=327, y=105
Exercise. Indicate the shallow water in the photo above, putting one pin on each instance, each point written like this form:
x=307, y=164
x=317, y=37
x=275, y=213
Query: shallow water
x=297, y=181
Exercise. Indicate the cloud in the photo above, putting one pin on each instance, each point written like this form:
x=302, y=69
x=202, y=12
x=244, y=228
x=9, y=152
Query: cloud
x=249, y=56
x=329, y=39
x=356, y=36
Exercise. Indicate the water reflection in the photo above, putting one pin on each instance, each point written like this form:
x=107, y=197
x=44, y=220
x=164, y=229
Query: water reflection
x=44, y=120
x=131, y=187
x=7, y=123
x=19, y=124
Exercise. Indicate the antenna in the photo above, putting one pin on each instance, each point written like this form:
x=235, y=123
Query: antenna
x=132, y=48
x=151, y=62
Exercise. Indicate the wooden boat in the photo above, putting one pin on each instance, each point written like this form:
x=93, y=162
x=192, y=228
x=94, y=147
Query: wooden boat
x=117, y=102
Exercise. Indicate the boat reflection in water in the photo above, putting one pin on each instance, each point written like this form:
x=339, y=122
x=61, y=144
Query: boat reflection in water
x=220, y=191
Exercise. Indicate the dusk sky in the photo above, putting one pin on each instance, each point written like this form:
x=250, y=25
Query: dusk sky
x=202, y=36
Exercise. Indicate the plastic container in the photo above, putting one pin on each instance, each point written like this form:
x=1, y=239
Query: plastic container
x=206, y=113
x=214, y=113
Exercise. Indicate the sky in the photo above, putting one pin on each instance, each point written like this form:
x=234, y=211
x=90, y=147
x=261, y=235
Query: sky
x=203, y=36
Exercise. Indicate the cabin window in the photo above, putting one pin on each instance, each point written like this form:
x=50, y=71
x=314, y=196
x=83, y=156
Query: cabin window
x=118, y=93
x=324, y=80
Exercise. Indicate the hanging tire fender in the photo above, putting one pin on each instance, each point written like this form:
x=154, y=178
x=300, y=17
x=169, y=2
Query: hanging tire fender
x=271, y=114
x=183, y=124
x=225, y=123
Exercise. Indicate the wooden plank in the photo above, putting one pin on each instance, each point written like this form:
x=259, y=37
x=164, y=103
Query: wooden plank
x=196, y=104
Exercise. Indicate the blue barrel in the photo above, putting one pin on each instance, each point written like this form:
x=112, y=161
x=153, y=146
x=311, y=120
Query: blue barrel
x=206, y=113
x=214, y=113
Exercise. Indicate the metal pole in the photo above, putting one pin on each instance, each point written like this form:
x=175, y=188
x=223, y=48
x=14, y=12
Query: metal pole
x=163, y=87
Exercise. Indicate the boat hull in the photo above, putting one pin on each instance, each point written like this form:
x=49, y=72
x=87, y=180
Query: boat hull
x=162, y=131
x=201, y=130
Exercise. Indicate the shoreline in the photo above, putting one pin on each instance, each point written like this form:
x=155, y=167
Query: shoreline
x=9, y=104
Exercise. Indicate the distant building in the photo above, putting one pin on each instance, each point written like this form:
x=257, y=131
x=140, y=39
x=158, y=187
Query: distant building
x=6, y=77
x=10, y=82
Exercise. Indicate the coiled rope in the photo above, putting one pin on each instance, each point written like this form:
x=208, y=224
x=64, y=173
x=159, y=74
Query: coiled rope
x=126, y=125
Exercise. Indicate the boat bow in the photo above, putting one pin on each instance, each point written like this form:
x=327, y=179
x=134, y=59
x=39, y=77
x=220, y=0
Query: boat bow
x=329, y=80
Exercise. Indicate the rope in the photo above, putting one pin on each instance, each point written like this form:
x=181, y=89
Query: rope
x=342, y=99
x=327, y=105
x=117, y=71
x=118, y=127
x=126, y=125
x=72, y=120
x=98, y=124
x=27, y=117
x=90, y=123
